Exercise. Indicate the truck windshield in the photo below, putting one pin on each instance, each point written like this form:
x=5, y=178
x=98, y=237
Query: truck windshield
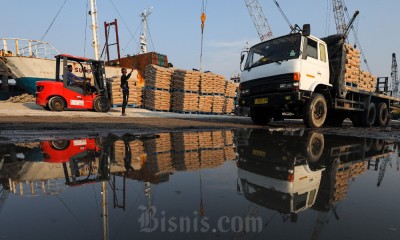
x=275, y=50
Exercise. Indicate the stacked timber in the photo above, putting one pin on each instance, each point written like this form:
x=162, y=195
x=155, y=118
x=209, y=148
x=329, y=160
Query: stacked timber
x=354, y=76
x=135, y=92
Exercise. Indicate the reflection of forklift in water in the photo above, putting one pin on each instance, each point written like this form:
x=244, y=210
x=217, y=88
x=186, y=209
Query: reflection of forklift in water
x=292, y=173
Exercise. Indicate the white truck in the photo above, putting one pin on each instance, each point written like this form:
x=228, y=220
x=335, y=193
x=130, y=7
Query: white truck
x=304, y=75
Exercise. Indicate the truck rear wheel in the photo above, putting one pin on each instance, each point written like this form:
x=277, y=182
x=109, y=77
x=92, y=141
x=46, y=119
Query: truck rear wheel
x=259, y=116
x=315, y=111
x=101, y=104
x=382, y=115
x=57, y=104
x=368, y=116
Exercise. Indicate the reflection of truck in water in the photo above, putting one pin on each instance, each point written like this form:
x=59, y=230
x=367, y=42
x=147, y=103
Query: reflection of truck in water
x=290, y=173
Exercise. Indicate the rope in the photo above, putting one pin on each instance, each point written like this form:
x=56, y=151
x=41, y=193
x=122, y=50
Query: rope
x=126, y=25
x=151, y=39
x=84, y=44
x=54, y=19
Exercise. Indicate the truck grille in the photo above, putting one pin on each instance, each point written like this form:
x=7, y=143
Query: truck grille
x=268, y=84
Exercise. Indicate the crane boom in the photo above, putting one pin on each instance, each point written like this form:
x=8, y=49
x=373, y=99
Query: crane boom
x=338, y=10
x=260, y=21
x=395, y=77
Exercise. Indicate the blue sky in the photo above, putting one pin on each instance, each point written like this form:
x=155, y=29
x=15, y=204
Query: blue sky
x=175, y=27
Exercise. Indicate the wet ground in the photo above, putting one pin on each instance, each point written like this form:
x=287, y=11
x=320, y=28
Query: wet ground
x=221, y=182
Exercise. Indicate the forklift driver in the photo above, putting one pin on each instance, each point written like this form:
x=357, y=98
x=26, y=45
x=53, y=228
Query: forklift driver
x=76, y=81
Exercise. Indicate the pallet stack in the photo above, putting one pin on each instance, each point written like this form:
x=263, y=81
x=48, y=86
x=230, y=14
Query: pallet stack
x=354, y=76
x=205, y=103
x=218, y=104
x=185, y=102
x=135, y=92
x=157, y=88
x=219, y=84
x=184, y=80
x=230, y=94
x=160, y=144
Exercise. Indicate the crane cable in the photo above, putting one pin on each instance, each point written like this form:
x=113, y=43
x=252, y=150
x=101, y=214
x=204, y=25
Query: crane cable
x=203, y=18
x=54, y=19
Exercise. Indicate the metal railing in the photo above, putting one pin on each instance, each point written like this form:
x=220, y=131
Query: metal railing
x=26, y=48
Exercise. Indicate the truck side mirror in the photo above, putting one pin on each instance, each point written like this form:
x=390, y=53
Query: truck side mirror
x=243, y=55
x=241, y=58
x=306, y=30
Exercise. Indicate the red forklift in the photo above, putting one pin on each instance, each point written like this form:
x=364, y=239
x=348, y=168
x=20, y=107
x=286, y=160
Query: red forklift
x=58, y=95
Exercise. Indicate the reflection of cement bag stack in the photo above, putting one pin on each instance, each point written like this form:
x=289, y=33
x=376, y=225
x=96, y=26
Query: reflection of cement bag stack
x=341, y=184
x=229, y=150
x=138, y=156
x=217, y=139
x=186, y=160
x=160, y=144
x=211, y=157
x=161, y=162
x=228, y=137
x=135, y=92
x=205, y=140
x=358, y=169
x=185, y=141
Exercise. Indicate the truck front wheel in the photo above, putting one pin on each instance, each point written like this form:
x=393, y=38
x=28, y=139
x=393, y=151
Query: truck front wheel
x=315, y=111
x=259, y=116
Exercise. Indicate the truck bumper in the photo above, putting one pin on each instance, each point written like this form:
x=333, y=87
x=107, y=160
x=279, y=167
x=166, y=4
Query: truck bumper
x=272, y=100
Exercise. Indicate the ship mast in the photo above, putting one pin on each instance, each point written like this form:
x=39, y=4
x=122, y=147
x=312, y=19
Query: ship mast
x=143, y=40
x=95, y=27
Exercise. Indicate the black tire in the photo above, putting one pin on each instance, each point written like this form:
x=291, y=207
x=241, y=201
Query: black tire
x=100, y=142
x=60, y=144
x=368, y=116
x=314, y=147
x=57, y=104
x=259, y=116
x=47, y=107
x=101, y=104
x=382, y=115
x=315, y=111
x=377, y=145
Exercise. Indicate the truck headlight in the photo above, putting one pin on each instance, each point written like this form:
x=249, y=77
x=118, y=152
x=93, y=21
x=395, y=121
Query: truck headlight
x=245, y=91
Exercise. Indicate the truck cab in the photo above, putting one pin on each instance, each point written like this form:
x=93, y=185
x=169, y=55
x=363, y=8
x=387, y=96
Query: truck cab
x=281, y=73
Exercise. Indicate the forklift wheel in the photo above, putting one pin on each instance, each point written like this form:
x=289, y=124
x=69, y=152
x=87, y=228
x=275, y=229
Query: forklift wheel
x=57, y=104
x=101, y=104
x=60, y=144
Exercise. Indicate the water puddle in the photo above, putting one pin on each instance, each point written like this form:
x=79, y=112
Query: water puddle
x=222, y=184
